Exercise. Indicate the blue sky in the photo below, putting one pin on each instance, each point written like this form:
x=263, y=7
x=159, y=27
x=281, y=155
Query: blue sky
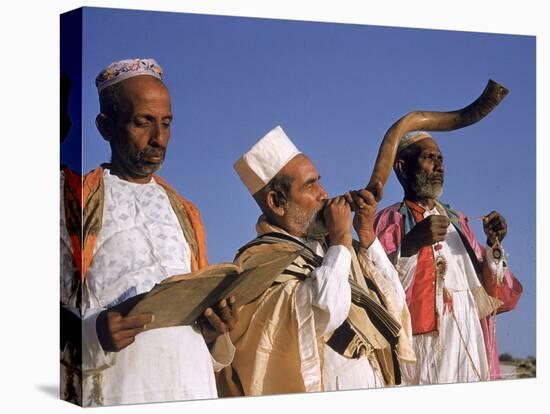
x=335, y=89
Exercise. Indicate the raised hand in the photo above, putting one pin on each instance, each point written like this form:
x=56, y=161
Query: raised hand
x=337, y=215
x=432, y=229
x=494, y=227
x=364, y=204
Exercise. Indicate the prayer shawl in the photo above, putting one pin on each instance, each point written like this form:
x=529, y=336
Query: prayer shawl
x=83, y=200
x=273, y=355
x=394, y=222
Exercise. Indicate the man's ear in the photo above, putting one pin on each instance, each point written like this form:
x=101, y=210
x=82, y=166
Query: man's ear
x=104, y=126
x=274, y=204
x=400, y=168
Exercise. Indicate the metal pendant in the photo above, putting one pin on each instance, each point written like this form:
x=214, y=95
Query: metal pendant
x=441, y=266
x=497, y=252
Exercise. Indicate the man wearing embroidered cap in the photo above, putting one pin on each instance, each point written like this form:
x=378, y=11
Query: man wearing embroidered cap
x=135, y=231
x=314, y=330
x=454, y=285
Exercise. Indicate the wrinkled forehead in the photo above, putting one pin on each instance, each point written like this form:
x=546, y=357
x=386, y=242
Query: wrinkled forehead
x=300, y=168
x=142, y=88
x=426, y=145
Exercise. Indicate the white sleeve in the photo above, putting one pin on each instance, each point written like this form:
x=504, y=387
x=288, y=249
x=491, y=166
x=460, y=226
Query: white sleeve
x=94, y=358
x=222, y=352
x=327, y=291
x=406, y=266
x=377, y=255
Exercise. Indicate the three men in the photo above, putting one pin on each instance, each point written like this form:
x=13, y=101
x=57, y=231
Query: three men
x=336, y=318
x=454, y=285
x=123, y=229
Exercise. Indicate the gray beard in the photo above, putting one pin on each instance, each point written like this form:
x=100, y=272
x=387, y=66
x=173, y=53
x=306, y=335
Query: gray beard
x=133, y=160
x=317, y=228
x=425, y=188
x=312, y=226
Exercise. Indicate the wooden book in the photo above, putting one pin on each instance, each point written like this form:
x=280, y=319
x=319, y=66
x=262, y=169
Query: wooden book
x=181, y=299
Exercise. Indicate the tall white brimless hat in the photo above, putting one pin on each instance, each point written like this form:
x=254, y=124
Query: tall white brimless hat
x=265, y=159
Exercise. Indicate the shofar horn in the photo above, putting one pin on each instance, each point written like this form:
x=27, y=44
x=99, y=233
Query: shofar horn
x=432, y=121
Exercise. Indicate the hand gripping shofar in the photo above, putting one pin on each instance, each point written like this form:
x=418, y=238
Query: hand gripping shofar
x=493, y=94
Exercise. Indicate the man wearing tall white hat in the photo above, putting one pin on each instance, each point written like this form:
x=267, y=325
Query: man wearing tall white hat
x=123, y=230
x=335, y=318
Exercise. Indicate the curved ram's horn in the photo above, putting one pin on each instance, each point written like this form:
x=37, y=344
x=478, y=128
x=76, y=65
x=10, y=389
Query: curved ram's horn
x=432, y=121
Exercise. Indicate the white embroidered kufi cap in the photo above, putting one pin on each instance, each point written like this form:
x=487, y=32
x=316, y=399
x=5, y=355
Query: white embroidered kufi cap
x=127, y=68
x=410, y=138
x=265, y=159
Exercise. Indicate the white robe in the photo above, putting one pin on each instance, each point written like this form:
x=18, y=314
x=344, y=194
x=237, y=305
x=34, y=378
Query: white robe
x=445, y=357
x=331, y=299
x=140, y=243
